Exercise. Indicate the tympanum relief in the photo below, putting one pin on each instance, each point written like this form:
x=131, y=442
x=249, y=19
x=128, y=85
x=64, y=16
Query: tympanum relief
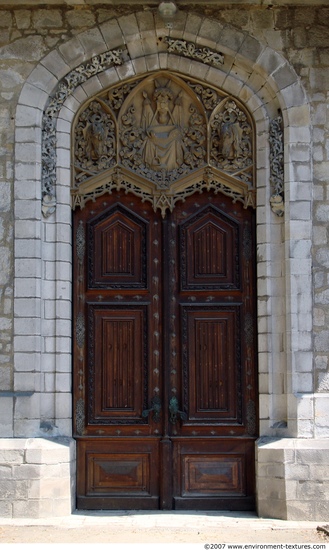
x=163, y=138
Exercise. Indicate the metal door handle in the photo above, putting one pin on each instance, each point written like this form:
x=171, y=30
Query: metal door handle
x=175, y=412
x=155, y=408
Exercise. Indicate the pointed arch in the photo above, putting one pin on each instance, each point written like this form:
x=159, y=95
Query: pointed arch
x=266, y=84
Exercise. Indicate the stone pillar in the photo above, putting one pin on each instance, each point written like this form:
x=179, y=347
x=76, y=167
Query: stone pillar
x=292, y=478
x=37, y=477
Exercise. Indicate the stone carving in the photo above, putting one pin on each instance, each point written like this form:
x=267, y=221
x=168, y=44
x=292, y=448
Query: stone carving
x=162, y=136
x=231, y=141
x=95, y=146
x=64, y=89
x=208, y=96
x=188, y=49
x=277, y=165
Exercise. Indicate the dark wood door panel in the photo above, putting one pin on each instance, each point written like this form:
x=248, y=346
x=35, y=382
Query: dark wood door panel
x=117, y=241
x=209, y=251
x=211, y=364
x=119, y=473
x=118, y=373
x=212, y=473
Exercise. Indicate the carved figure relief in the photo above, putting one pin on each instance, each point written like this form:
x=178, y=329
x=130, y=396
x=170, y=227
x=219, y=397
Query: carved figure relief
x=163, y=134
x=95, y=148
x=232, y=141
x=163, y=138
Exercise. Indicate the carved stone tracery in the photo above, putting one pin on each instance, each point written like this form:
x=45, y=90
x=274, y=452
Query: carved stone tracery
x=163, y=138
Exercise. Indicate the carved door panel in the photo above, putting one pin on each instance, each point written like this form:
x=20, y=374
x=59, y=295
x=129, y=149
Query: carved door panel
x=164, y=376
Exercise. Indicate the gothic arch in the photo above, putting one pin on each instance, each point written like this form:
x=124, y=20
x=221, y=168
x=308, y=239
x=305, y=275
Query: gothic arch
x=239, y=65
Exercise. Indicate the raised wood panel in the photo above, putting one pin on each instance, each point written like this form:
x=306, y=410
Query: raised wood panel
x=117, y=250
x=209, y=252
x=118, y=377
x=118, y=473
x=211, y=368
x=215, y=474
x=124, y=473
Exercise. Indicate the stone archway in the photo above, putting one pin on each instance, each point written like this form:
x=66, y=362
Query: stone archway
x=250, y=71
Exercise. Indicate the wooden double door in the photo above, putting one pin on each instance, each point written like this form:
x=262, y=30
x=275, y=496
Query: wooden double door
x=164, y=354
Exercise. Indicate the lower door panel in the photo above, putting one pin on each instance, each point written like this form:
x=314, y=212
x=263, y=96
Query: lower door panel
x=119, y=474
x=213, y=474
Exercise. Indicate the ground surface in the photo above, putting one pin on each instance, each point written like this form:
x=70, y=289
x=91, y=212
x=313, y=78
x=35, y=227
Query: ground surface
x=211, y=528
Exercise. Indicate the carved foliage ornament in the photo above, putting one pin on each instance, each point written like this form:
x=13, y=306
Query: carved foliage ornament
x=277, y=165
x=162, y=138
x=65, y=88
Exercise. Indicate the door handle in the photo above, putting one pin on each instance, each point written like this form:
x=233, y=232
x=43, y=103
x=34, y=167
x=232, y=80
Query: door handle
x=155, y=408
x=175, y=412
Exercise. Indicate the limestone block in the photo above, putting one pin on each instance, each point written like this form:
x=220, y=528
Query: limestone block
x=270, y=62
x=297, y=510
x=250, y=48
x=321, y=406
x=48, y=451
x=149, y=45
x=27, y=407
x=112, y=34
x=152, y=62
x=126, y=71
x=27, y=362
x=6, y=420
x=193, y=23
x=72, y=52
x=140, y=65
x=88, y=89
x=92, y=42
x=64, y=405
x=210, y=28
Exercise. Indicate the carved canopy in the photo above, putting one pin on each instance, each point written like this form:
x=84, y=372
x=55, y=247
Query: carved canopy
x=163, y=137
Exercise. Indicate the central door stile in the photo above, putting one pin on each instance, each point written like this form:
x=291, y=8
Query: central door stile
x=166, y=483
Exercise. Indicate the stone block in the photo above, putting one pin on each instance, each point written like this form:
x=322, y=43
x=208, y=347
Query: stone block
x=24, y=383
x=112, y=34
x=152, y=62
x=297, y=472
x=24, y=427
x=27, y=407
x=271, y=508
x=27, y=362
x=193, y=23
x=27, y=343
x=64, y=405
x=321, y=406
x=296, y=510
x=26, y=509
x=72, y=52
x=63, y=382
x=5, y=509
x=273, y=488
x=321, y=510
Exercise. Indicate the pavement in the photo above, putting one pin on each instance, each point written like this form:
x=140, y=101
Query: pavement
x=207, y=530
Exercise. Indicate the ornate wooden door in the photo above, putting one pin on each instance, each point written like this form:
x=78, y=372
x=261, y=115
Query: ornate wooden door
x=165, y=348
